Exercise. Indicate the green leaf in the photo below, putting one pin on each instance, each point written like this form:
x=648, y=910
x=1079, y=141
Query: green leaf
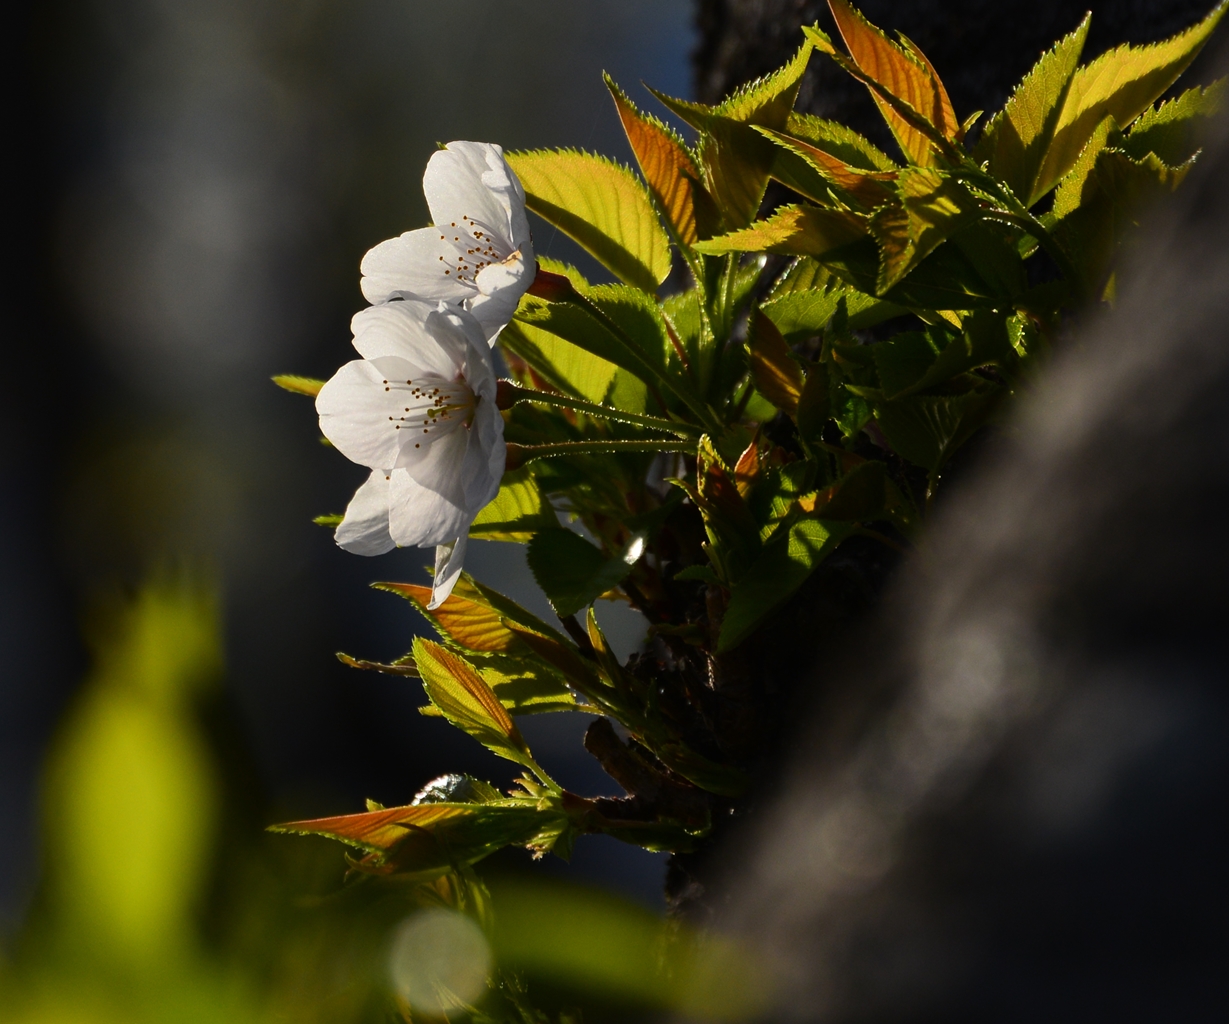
x=574, y=573
x=843, y=143
x=308, y=386
x=782, y=567
x=1121, y=84
x=736, y=160
x=792, y=231
x=776, y=372
x=852, y=185
x=934, y=206
x=926, y=430
x=331, y=521
x=568, y=367
x=803, y=314
x=1070, y=192
x=1017, y=138
x=1168, y=130
x=601, y=205
x=916, y=360
x=465, y=699
x=1111, y=200
x=517, y=512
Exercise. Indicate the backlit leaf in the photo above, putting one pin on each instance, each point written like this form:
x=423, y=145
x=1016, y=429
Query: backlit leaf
x=519, y=510
x=906, y=74
x=568, y=367
x=378, y=830
x=792, y=231
x=843, y=143
x=735, y=159
x=1168, y=130
x=803, y=314
x=673, y=177
x=1122, y=84
x=1017, y=138
x=868, y=188
x=470, y=624
x=602, y=206
x=776, y=372
x=299, y=385
x=934, y=206
x=464, y=698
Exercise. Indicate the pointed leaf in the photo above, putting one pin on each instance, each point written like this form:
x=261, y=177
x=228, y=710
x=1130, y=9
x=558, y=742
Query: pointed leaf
x=736, y=160
x=298, y=385
x=904, y=73
x=805, y=313
x=570, y=368
x=382, y=829
x=782, y=567
x=1168, y=130
x=776, y=372
x=927, y=430
x=575, y=573
x=792, y=231
x=673, y=177
x=867, y=188
x=843, y=143
x=464, y=698
x=934, y=206
x=602, y=206
x=1122, y=84
x=520, y=509
x=1017, y=138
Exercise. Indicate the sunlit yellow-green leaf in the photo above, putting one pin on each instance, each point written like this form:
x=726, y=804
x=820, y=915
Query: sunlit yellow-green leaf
x=933, y=207
x=568, y=367
x=1017, y=138
x=520, y=509
x=1168, y=130
x=792, y=231
x=308, y=386
x=1122, y=84
x=601, y=205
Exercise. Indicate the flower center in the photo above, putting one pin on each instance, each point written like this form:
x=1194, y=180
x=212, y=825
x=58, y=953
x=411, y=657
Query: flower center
x=477, y=247
x=431, y=406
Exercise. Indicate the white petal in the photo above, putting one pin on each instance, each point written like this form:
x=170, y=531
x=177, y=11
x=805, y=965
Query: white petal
x=364, y=530
x=421, y=518
x=472, y=180
x=437, y=465
x=408, y=329
x=449, y=559
x=485, y=458
x=421, y=263
x=360, y=413
x=500, y=287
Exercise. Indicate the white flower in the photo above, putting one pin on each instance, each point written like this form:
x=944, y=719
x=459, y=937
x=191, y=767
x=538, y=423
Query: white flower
x=478, y=256
x=419, y=410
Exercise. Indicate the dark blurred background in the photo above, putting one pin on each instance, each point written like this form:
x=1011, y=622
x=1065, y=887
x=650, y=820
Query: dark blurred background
x=195, y=184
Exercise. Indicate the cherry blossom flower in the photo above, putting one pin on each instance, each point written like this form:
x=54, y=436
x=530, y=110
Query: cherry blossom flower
x=478, y=256
x=419, y=410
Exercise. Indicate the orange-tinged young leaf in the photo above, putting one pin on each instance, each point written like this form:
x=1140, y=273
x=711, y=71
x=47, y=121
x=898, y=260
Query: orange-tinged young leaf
x=672, y=175
x=777, y=375
x=792, y=231
x=747, y=469
x=903, y=72
x=465, y=699
x=868, y=188
x=378, y=830
x=476, y=627
x=934, y=206
x=1121, y=84
x=1017, y=138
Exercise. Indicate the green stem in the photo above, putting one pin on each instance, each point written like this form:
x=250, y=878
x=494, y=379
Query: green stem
x=521, y=394
x=526, y=452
